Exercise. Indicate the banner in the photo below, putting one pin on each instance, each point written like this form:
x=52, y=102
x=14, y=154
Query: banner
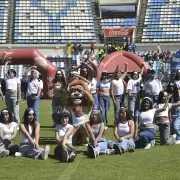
x=118, y=32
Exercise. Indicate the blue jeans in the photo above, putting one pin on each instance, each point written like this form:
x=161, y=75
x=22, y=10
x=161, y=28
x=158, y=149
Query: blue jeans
x=57, y=107
x=117, y=106
x=34, y=103
x=101, y=148
x=146, y=135
x=176, y=121
x=134, y=102
x=104, y=103
x=96, y=101
x=125, y=144
x=13, y=107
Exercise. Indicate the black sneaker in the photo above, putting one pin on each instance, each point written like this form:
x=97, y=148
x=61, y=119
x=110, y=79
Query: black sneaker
x=65, y=155
x=117, y=148
x=72, y=156
x=91, y=152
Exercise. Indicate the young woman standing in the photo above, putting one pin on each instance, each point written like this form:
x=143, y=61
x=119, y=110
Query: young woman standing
x=13, y=92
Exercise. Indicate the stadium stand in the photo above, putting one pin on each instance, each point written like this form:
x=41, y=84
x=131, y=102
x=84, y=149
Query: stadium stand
x=162, y=21
x=54, y=21
x=4, y=12
x=118, y=22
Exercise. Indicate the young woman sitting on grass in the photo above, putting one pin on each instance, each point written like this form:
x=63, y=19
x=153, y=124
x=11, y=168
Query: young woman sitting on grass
x=29, y=132
x=64, y=151
x=8, y=131
x=124, y=133
x=145, y=118
x=162, y=119
x=98, y=144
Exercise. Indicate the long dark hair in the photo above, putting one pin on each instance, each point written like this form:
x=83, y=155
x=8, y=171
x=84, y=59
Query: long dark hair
x=160, y=97
x=176, y=77
x=102, y=74
x=11, y=119
x=129, y=115
x=11, y=70
x=63, y=79
x=174, y=91
x=81, y=72
x=26, y=122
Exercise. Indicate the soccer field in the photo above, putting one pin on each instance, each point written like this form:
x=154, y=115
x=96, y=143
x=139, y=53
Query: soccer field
x=159, y=162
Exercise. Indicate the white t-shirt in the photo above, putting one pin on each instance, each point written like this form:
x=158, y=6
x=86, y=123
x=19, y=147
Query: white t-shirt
x=93, y=86
x=62, y=130
x=104, y=84
x=153, y=87
x=177, y=84
x=11, y=83
x=118, y=87
x=163, y=113
x=7, y=129
x=33, y=86
x=24, y=139
x=145, y=117
x=134, y=85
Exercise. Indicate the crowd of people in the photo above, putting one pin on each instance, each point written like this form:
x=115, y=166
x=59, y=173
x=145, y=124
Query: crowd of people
x=80, y=106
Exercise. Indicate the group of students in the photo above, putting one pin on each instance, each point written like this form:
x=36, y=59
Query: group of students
x=80, y=106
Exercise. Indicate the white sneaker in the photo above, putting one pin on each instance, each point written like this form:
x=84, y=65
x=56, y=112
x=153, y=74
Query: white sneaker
x=153, y=142
x=148, y=146
x=72, y=156
x=177, y=142
x=110, y=151
x=46, y=152
x=174, y=135
x=17, y=154
x=4, y=153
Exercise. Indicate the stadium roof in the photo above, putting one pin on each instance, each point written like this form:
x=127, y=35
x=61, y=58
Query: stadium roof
x=119, y=2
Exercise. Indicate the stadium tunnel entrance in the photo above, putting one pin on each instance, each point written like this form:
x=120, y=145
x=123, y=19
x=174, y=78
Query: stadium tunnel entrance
x=34, y=58
x=110, y=62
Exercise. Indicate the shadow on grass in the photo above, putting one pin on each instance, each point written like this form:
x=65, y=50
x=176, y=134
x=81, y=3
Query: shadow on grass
x=47, y=140
x=47, y=127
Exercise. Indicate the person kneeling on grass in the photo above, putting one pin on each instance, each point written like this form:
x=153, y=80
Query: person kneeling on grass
x=123, y=132
x=98, y=144
x=8, y=131
x=145, y=117
x=64, y=133
x=29, y=131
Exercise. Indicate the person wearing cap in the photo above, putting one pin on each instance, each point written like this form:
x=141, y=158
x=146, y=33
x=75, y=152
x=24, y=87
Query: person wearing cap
x=133, y=88
x=13, y=92
x=30, y=133
x=153, y=85
x=144, y=119
x=33, y=90
x=58, y=86
x=8, y=131
x=64, y=151
x=117, y=90
x=103, y=87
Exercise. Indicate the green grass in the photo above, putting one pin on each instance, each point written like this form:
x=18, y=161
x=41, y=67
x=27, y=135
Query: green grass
x=159, y=162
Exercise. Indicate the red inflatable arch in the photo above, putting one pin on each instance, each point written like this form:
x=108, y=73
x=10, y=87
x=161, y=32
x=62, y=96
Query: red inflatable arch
x=32, y=57
x=110, y=62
